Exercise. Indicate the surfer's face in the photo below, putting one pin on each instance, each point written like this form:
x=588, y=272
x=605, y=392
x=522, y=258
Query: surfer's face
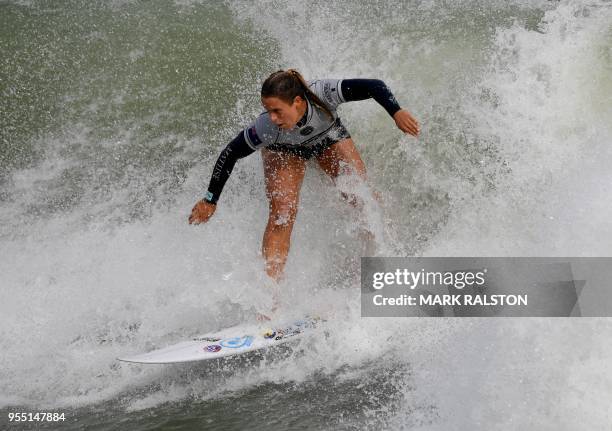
x=284, y=115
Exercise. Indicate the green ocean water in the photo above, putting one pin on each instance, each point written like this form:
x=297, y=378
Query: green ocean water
x=124, y=90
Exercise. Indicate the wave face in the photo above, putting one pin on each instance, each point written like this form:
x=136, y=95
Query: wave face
x=112, y=117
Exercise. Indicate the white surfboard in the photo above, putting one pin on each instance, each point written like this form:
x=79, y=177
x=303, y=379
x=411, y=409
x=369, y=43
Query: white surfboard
x=231, y=341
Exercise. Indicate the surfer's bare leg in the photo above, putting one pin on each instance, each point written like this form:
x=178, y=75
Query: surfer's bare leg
x=342, y=158
x=284, y=173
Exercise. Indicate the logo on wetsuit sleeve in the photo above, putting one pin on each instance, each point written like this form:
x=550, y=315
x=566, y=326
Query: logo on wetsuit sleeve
x=327, y=91
x=252, y=133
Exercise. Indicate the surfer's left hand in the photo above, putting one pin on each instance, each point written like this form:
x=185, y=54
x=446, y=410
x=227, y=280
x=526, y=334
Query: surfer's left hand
x=201, y=212
x=406, y=122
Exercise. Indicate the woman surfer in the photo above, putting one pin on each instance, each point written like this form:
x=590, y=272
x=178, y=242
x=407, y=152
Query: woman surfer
x=300, y=122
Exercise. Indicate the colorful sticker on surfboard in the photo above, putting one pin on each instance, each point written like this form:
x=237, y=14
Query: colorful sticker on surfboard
x=269, y=334
x=237, y=342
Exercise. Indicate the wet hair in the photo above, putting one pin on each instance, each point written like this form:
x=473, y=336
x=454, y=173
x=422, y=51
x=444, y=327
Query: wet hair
x=287, y=84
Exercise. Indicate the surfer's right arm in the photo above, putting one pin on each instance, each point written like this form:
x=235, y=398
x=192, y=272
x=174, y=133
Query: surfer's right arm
x=236, y=149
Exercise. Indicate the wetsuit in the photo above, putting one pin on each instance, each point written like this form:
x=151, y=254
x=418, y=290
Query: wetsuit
x=312, y=135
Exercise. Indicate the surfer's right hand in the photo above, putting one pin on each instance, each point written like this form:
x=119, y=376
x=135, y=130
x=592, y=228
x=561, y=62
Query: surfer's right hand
x=201, y=212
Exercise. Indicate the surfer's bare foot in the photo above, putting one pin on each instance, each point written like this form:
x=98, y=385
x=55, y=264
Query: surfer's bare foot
x=270, y=314
x=369, y=245
x=262, y=317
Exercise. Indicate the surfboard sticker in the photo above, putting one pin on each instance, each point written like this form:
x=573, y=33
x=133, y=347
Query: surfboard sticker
x=231, y=341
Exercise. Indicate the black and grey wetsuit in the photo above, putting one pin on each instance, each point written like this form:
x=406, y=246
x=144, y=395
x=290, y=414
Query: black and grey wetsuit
x=315, y=132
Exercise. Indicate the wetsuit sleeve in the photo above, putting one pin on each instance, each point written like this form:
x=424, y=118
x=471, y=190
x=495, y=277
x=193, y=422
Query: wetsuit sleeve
x=236, y=149
x=328, y=90
x=261, y=133
x=362, y=89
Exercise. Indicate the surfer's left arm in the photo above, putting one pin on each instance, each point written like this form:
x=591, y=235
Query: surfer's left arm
x=362, y=89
